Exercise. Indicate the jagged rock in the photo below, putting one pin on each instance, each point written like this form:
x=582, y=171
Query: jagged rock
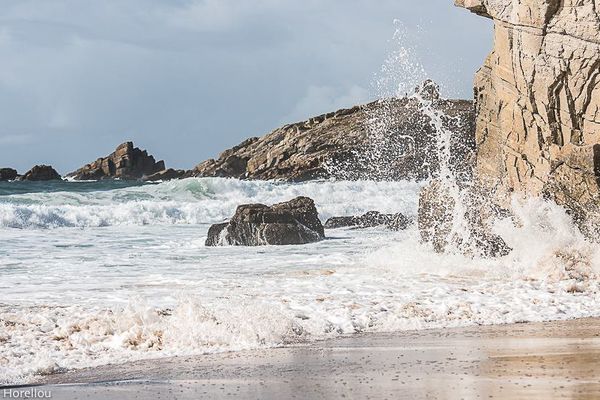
x=126, y=162
x=165, y=175
x=292, y=222
x=346, y=144
x=538, y=104
x=8, y=174
x=370, y=219
x=41, y=173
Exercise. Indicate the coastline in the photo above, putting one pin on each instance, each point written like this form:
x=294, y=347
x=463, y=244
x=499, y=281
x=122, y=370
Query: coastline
x=558, y=359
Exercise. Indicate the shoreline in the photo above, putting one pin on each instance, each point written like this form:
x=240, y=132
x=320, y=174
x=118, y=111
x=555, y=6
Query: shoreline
x=526, y=360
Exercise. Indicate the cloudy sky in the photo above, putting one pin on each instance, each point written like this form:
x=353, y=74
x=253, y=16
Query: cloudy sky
x=187, y=78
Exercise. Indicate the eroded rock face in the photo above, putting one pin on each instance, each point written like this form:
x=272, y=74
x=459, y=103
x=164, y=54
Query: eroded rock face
x=290, y=223
x=538, y=104
x=8, y=174
x=126, y=162
x=340, y=144
x=370, y=219
x=41, y=173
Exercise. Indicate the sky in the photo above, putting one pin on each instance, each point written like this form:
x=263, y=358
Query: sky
x=186, y=79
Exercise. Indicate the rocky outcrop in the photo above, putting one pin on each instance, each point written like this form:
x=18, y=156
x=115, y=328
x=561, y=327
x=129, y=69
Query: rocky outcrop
x=8, y=174
x=165, y=175
x=126, y=162
x=41, y=173
x=538, y=104
x=349, y=144
x=290, y=223
x=459, y=222
x=370, y=219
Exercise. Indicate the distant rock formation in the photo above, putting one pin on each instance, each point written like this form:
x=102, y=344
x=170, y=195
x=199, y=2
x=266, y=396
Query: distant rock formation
x=8, y=174
x=126, y=162
x=342, y=144
x=290, y=223
x=165, y=175
x=538, y=104
x=41, y=173
x=370, y=219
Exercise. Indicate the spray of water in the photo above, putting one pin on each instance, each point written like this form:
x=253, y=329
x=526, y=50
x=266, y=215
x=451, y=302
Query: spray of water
x=406, y=94
x=564, y=251
x=399, y=74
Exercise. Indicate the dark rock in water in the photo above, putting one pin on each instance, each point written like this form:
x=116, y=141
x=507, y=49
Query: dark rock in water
x=126, y=162
x=436, y=219
x=435, y=215
x=346, y=144
x=395, y=222
x=215, y=232
x=399, y=222
x=165, y=175
x=41, y=173
x=8, y=174
x=292, y=222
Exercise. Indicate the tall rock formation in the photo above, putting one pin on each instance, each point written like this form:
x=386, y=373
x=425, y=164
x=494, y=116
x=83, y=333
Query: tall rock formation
x=538, y=103
x=126, y=162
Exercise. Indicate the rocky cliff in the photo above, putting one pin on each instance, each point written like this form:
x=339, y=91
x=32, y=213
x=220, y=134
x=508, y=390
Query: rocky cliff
x=538, y=103
x=346, y=144
x=126, y=162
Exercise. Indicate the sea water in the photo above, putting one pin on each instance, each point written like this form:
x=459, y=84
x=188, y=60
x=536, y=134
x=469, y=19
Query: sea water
x=108, y=272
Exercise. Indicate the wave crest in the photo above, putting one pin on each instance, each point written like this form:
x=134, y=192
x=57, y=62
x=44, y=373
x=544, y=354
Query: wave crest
x=194, y=201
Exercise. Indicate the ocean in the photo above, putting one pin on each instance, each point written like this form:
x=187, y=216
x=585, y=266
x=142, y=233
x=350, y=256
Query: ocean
x=93, y=273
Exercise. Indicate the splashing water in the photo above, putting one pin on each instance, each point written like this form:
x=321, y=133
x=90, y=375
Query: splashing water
x=404, y=90
x=400, y=73
x=113, y=272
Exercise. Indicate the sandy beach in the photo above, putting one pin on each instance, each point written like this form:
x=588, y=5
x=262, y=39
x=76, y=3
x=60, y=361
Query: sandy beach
x=521, y=361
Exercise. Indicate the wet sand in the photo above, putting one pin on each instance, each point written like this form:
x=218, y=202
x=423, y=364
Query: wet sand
x=522, y=361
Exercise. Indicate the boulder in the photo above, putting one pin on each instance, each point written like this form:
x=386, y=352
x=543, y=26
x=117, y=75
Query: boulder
x=290, y=223
x=165, y=175
x=370, y=219
x=454, y=220
x=435, y=216
x=399, y=222
x=41, y=173
x=126, y=162
x=349, y=144
x=538, y=105
x=8, y=174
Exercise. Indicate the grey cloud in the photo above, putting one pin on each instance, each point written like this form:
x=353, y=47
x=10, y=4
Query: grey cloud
x=186, y=79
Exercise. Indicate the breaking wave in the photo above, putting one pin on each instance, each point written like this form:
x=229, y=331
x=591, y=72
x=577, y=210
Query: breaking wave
x=192, y=201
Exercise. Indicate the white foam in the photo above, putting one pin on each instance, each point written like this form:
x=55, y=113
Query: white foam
x=194, y=201
x=169, y=295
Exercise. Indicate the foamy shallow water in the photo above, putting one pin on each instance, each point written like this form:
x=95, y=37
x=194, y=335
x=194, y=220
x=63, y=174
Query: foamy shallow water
x=100, y=274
